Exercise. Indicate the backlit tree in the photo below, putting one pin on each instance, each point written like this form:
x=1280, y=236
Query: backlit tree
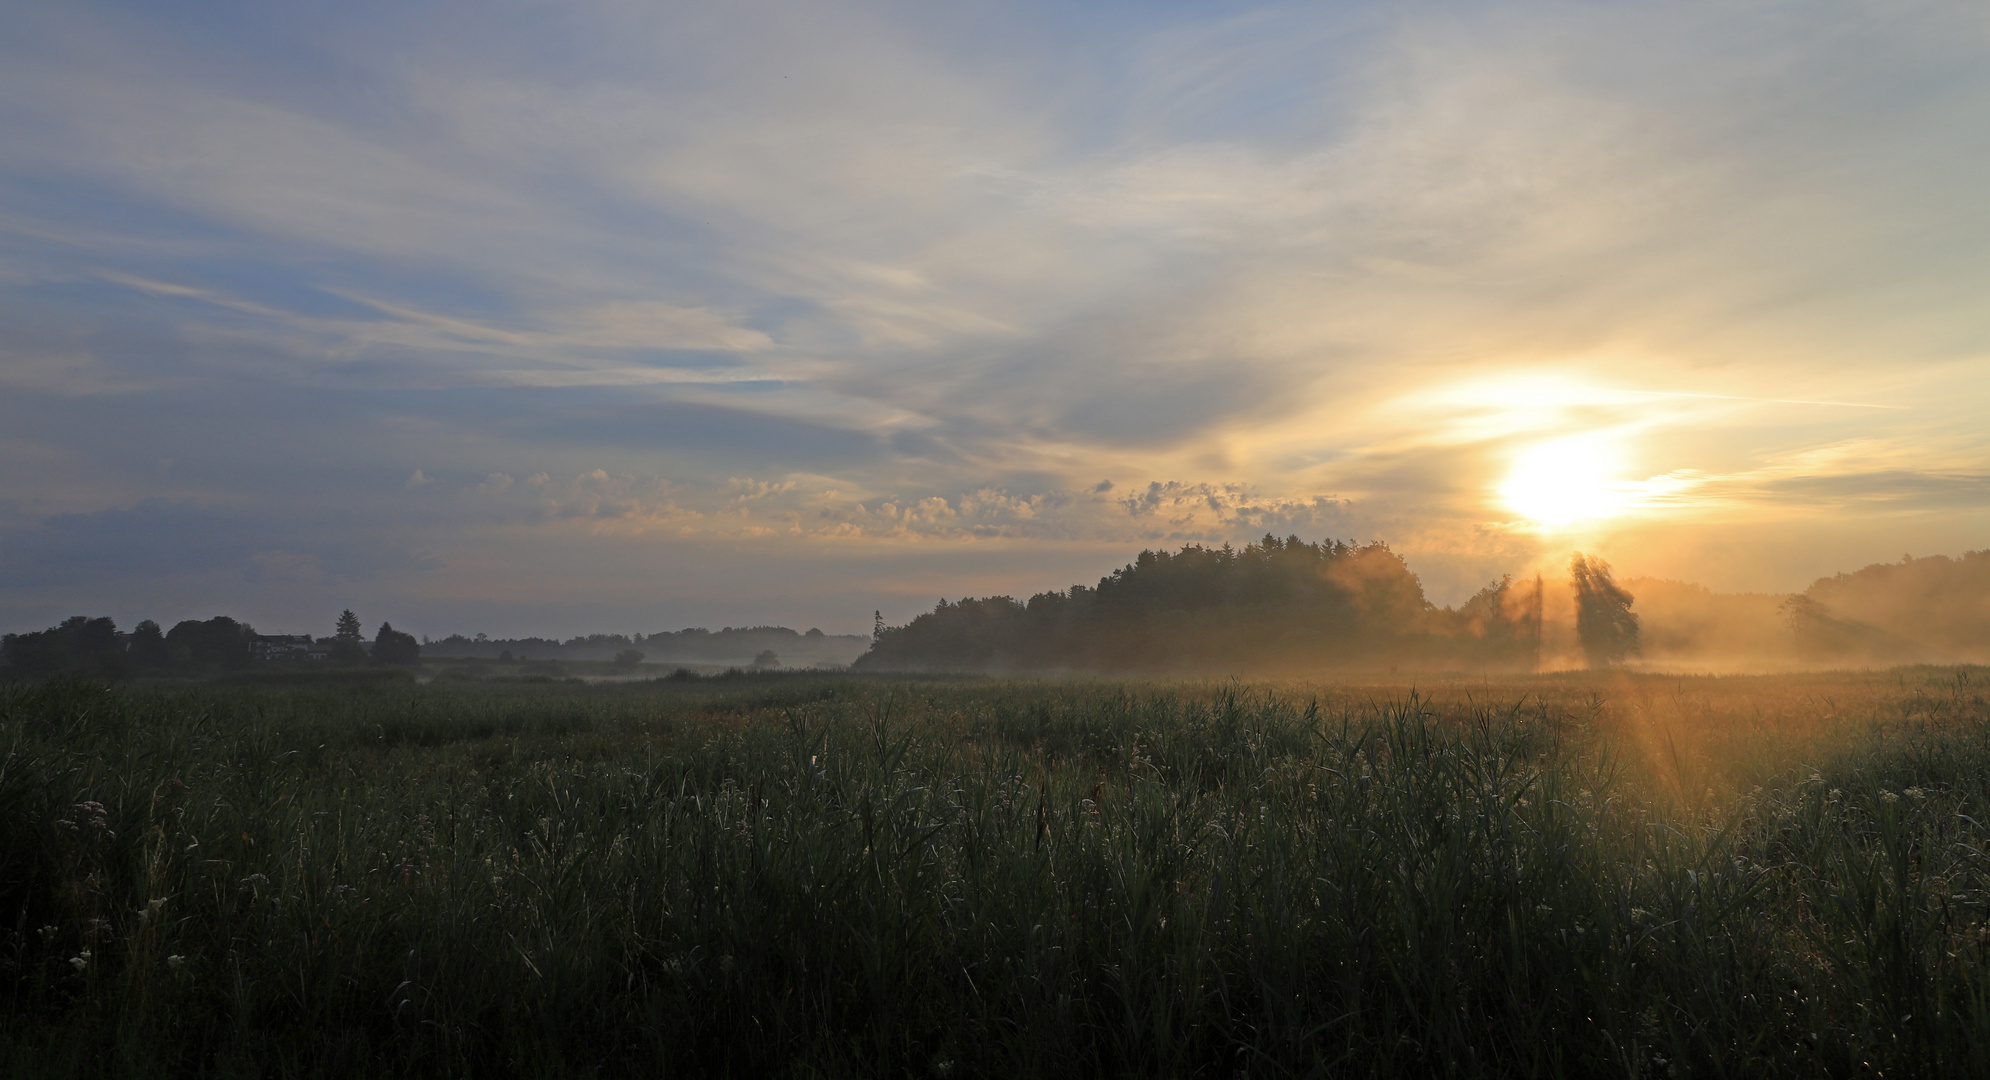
x=1604, y=622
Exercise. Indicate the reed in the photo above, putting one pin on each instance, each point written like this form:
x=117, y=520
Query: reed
x=845, y=875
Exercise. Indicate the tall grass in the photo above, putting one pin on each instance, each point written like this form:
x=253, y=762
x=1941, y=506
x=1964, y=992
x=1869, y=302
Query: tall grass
x=847, y=876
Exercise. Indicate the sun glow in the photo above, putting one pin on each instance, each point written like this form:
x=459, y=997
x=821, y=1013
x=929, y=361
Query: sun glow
x=1565, y=481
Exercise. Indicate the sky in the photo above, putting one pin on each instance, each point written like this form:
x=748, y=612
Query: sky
x=554, y=318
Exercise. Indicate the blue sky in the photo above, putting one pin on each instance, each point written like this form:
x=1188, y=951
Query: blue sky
x=585, y=316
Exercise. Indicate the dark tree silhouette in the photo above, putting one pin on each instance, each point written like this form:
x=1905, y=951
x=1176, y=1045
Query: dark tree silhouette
x=347, y=647
x=220, y=642
x=390, y=646
x=1272, y=605
x=1604, y=622
x=147, y=647
x=628, y=658
x=77, y=646
x=768, y=658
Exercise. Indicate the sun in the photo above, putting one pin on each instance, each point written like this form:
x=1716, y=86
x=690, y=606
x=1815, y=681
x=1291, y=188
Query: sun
x=1565, y=481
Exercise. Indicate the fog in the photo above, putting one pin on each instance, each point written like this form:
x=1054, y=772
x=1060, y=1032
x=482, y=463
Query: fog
x=1294, y=608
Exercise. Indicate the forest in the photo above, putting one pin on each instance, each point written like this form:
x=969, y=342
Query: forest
x=1270, y=606
x=1289, y=607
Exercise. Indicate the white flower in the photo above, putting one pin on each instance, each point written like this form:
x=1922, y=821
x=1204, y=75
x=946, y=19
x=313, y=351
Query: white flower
x=80, y=962
x=1888, y=797
x=176, y=961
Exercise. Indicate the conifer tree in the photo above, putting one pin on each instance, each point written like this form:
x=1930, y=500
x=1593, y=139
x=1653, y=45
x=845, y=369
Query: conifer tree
x=347, y=640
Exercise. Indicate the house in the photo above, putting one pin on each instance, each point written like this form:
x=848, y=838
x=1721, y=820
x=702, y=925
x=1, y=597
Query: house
x=269, y=648
x=324, y=648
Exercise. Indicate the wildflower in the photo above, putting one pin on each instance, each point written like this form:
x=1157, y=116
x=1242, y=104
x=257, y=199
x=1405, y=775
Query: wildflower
x=1917, y=794
x=1834, y=795
x=1543, y=910
x=176, y=961
x=151, y=908
x=1888, y=796
x=81, y=961
x=91, y=814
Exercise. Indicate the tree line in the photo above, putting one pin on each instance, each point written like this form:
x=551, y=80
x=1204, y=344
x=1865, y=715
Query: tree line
x=1272, y=605
x=96, y=648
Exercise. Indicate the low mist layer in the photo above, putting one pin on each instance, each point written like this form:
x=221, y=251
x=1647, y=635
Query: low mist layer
x=1289, y=606
x=738, y=645
x=1275, y=607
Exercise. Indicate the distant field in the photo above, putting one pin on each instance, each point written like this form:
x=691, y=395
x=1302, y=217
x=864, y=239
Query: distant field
x=838, y=874
x=450, y=669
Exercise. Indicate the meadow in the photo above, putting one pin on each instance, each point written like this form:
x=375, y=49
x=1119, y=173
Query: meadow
x=1580, y=875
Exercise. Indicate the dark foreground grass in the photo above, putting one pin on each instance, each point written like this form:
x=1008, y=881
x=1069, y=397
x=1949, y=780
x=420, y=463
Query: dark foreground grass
x=1575, y=876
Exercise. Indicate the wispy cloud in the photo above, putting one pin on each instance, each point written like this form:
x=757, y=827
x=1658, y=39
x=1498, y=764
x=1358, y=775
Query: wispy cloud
x=1289, y=267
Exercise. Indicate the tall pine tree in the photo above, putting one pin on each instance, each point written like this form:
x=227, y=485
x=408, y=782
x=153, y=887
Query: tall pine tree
x=348, y=643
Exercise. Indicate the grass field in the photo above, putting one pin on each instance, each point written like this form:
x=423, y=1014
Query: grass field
x=828, y=875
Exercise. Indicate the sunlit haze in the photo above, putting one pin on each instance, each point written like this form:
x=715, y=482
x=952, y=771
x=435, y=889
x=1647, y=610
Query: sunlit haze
x=531, y=318
x=1565, y=481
